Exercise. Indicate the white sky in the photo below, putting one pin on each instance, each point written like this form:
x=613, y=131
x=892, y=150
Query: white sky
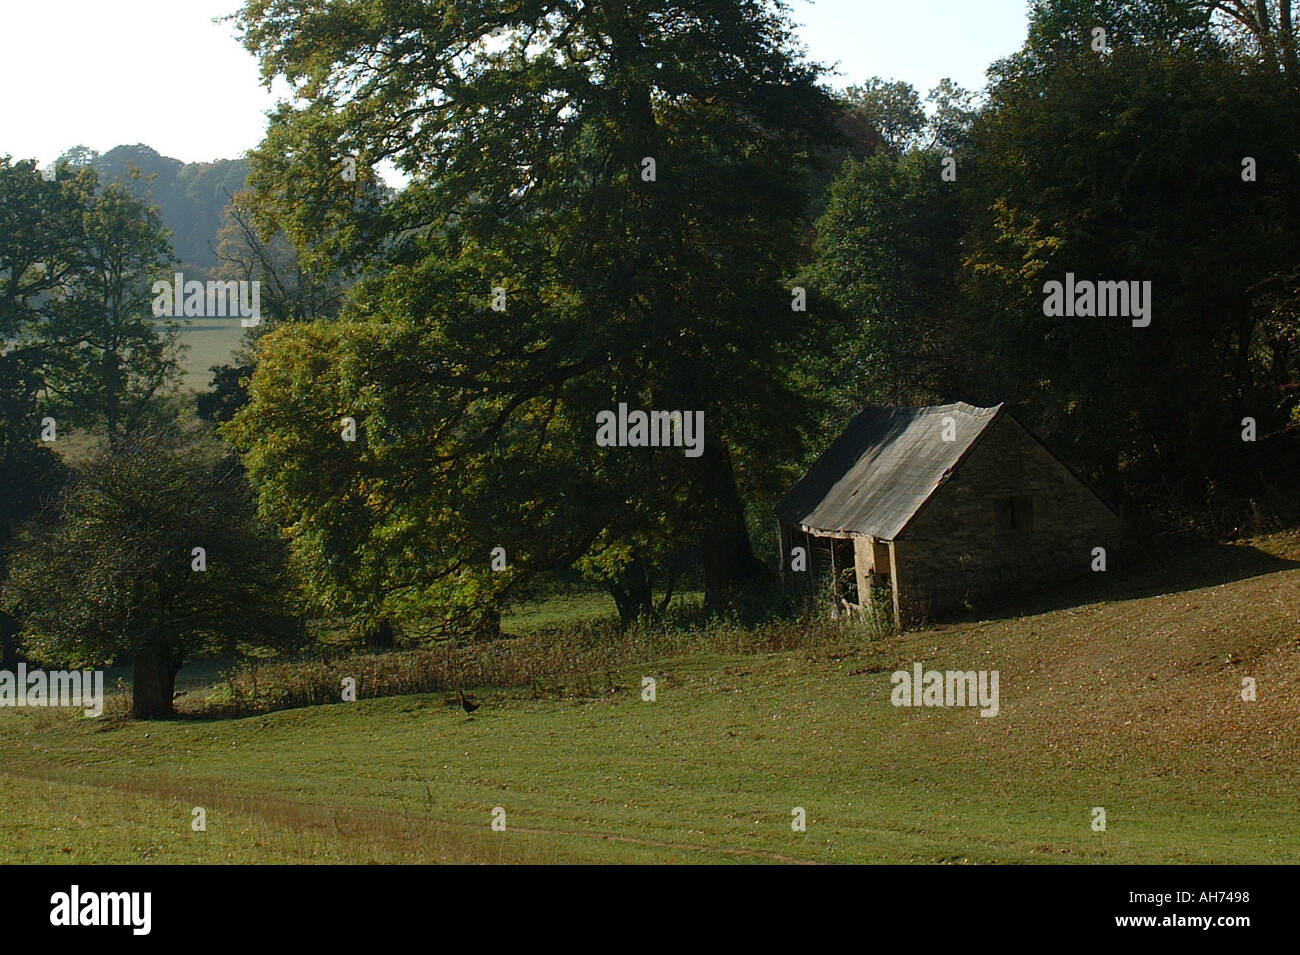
x=160, y=72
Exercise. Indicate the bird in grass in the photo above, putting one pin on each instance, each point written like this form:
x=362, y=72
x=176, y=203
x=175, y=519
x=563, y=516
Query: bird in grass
x=466, y=704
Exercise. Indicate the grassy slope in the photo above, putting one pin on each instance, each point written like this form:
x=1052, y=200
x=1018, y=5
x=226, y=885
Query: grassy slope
x=1132, y=705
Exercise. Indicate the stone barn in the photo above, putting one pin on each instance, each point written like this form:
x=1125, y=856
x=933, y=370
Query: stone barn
x=931, y=508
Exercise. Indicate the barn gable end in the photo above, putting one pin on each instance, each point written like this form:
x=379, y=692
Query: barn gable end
x=1012, y=516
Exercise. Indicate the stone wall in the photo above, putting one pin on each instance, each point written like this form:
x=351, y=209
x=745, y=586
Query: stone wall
x=970, y=540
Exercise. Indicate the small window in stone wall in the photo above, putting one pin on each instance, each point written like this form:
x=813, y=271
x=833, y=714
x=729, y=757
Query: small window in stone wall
x=1013, y=515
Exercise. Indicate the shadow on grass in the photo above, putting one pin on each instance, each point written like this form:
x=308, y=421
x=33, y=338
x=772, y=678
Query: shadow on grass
x=1170, y=570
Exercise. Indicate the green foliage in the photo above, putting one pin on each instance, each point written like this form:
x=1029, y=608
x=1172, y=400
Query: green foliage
x=109, y=363
x=35, y=260
x=77, y=339
x=37, y=220
x=526, y=161
x=371, y=535
x=227, y=394
x=1061, y=32
x=892, y=107
x=887, y=255
x=1129, y=166
x=110, y=573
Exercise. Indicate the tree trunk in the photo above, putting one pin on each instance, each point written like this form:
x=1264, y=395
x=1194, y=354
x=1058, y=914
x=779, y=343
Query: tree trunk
x=382, y=636
x=8, y=642
x=1264, y=26
x=112, y=412
x=1287, y=38
x=726, y=556
x=153, y=683
x=633, y=593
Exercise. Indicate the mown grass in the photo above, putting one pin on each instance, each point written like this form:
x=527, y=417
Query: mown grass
x=1132, y=705
x=210, y=343
x=45, y=823
x=559, y=610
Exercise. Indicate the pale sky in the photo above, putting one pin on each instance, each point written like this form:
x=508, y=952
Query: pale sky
x=161, y=72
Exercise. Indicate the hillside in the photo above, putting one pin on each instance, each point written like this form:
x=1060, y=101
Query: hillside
x=1129, y=702
x=191, y=197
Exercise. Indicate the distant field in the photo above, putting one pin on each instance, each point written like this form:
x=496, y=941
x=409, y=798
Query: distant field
x=210, y=343
x=1131, y=705
x=568, y=609
x=558, y=611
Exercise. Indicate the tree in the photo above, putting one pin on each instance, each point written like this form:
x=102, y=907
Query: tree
x=39, y=253
x=112, y=362
x=1060, y=29
x=632, y=175
x=37, y=219
x=955, y=110
x=114, y=572
x=289, y=293
x=888, y=255
x=892, y=107
x=1265, y=28
x=1127, y=165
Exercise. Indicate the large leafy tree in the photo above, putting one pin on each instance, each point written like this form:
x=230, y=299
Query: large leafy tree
x=528, y=130
x=112, y=574
x=113, y=362
x=892, y=107
x=888, y=255
x=39, y=253
x=37, y=220
x=1128, y=165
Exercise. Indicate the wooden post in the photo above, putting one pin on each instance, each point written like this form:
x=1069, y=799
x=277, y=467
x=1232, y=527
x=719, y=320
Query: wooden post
x=781, y=556
x=893, y=586
x=812, y=562
x=863, y=569
x=835, y=576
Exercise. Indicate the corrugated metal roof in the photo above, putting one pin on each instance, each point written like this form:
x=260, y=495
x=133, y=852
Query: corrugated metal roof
x=879, y=472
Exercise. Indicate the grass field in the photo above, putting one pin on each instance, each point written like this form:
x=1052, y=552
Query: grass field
x=566, y=609
x=211, y=343
x=1128, y=704
x=557, y=611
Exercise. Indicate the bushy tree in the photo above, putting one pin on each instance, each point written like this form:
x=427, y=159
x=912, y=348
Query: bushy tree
x=38, y=219
x=111, y=363
x=1129, y=165
x=888, y=255
x=530, y=131
x=893, y=108
x=112, y=573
